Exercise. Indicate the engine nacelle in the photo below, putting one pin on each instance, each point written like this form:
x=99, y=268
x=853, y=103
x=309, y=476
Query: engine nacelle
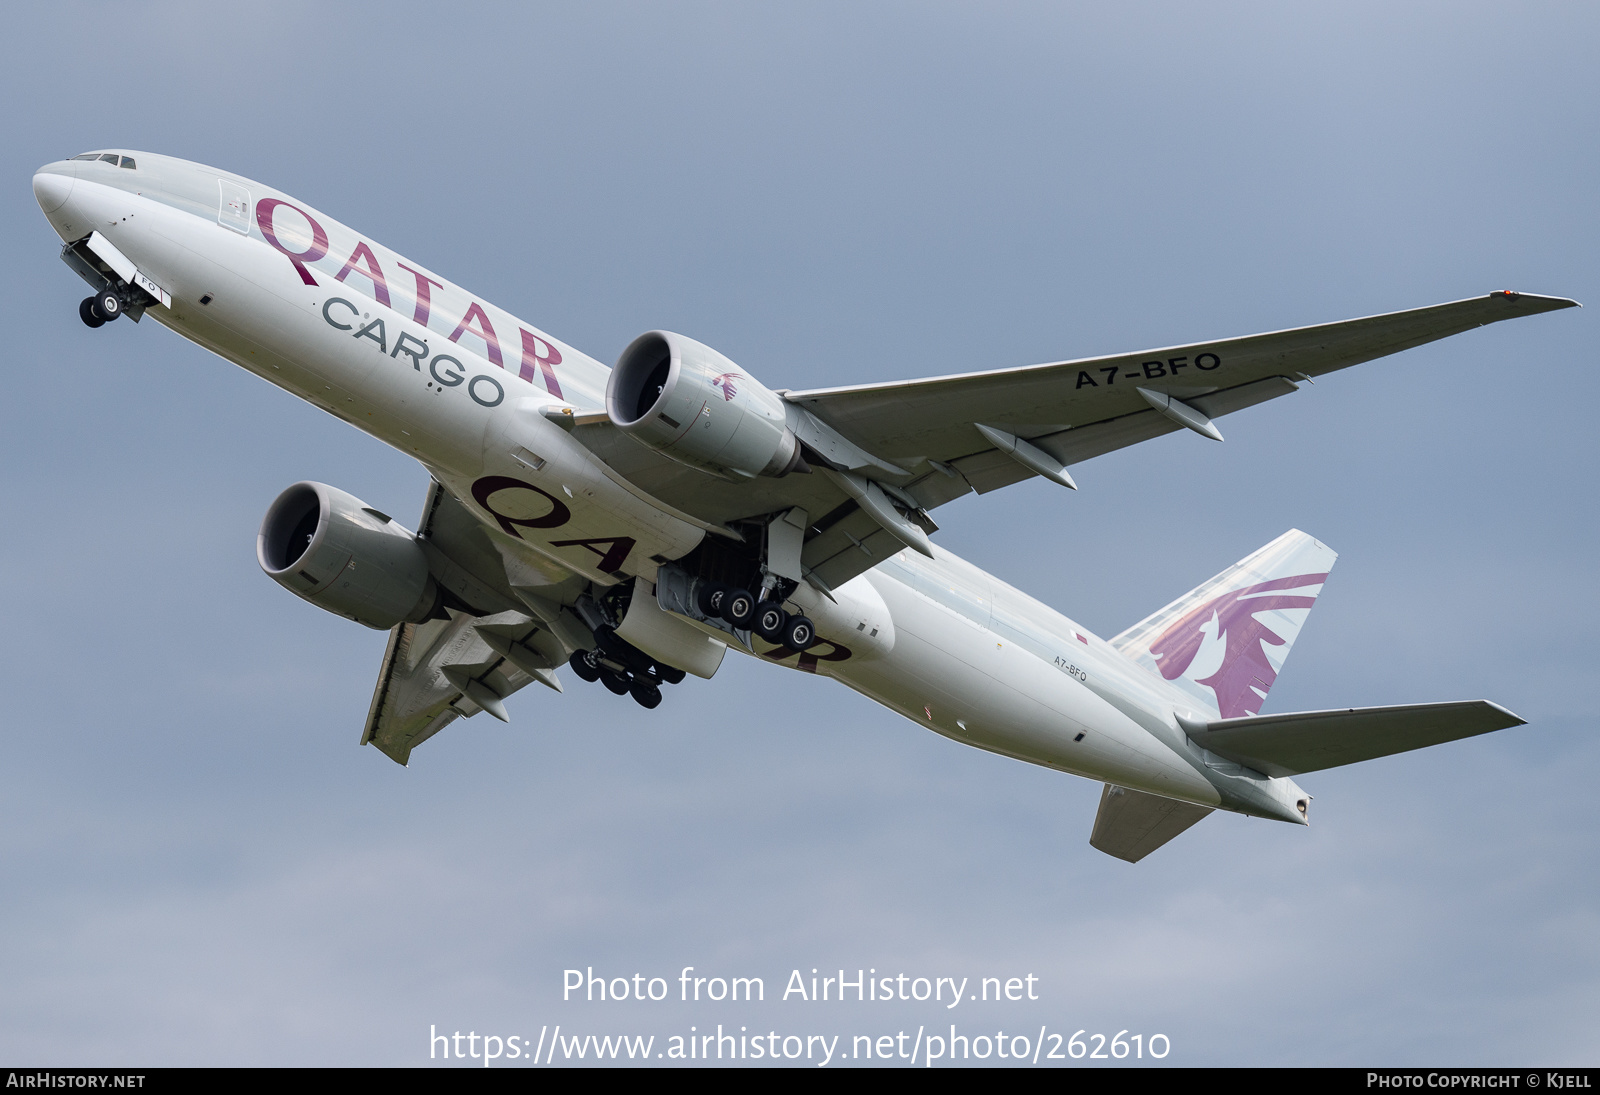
x=339, y=553
x=690, y=403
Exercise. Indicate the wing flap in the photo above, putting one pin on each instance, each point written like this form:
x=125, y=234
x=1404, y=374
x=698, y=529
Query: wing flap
x=1074, y=446
x=404, y=711
x=849, y=542
x=1227, y=400
x=431, y=670
x=1086, y=442
x=1308, y=741
x=1132, y=824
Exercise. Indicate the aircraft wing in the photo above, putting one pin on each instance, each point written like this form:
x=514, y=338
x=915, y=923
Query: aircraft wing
x=1075, y=410
x=501, y=628
x=921, y=443
x=1309, y=741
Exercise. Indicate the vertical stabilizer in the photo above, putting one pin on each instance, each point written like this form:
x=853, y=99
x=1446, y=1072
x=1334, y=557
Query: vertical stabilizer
x=1225, y=642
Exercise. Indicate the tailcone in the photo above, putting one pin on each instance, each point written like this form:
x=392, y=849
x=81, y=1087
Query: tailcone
x=1278, y=799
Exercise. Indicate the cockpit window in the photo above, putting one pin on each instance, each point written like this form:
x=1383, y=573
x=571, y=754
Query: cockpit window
x=110, y=158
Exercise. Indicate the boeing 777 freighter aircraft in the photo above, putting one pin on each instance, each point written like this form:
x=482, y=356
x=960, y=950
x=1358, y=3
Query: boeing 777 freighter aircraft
x=637, y=522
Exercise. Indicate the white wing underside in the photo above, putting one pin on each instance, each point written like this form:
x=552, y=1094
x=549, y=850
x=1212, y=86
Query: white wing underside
x=437, y=671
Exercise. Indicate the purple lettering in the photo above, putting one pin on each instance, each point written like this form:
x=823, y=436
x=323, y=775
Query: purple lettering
x=373, y=272
x=490, y=485
x=611, y=559
x=533, y=360
x=424, y=294
x=319, y=239
x=809, y=658
x=484, y=330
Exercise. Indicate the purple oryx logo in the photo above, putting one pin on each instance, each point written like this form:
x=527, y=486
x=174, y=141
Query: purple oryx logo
x=1244, y=677
x=724, y=383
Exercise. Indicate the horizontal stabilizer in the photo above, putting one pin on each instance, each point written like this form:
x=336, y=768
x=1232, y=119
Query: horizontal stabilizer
x=1308, y=741
x=1132, y=824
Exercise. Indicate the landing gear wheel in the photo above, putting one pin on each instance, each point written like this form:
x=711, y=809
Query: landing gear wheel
x=87, y=313
x=646, y=695
x=739, y=608
x=615, y=682
x=583, y=667
x=769, y=621
x=107, y=305
x=671, y=674
x=799, y=633
x=709, y=598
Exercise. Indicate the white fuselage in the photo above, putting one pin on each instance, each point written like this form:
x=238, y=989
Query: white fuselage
x=383, y=343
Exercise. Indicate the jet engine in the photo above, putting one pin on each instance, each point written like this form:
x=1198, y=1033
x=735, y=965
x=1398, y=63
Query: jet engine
x=690, y=403
x=339, y=553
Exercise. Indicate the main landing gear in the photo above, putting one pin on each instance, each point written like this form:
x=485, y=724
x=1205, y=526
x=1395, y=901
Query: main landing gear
x=624, y=669
x=100, y=309
x=741, y=609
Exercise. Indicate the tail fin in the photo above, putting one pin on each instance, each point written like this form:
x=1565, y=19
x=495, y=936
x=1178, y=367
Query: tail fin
x=1224, y=642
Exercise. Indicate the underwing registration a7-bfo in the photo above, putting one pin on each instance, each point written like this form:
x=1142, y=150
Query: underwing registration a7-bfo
x=635, y=523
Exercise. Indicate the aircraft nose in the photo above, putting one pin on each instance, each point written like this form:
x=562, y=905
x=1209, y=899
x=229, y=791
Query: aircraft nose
x=52, y=189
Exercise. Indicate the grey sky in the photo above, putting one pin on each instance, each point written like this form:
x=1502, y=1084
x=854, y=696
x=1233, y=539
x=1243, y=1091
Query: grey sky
x=202, y=866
